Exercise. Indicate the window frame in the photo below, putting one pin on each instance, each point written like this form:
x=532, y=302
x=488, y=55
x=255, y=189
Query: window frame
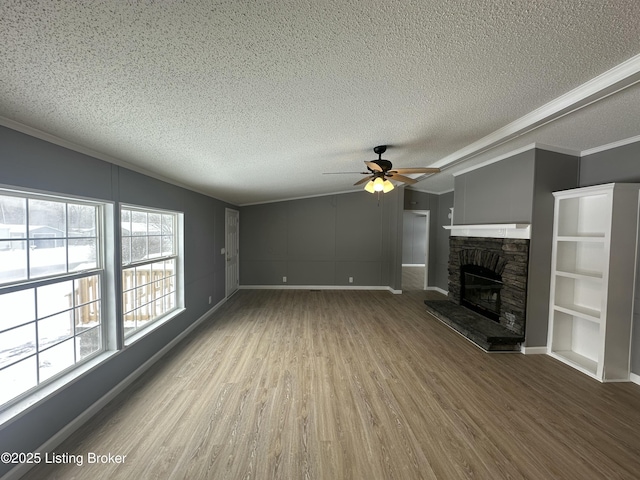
x=34, y=282
x=177, y=256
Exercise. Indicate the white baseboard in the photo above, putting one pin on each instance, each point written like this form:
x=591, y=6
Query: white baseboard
x=438, y=289
x=533, y=350
x=319, y=287
x=635, y=378
x=50, y=445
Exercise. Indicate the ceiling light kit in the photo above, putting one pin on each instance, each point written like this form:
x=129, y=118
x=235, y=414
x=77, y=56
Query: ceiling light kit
x=381, y=171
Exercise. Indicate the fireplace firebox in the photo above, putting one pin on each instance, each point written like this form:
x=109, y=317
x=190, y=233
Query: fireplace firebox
x=480, y=290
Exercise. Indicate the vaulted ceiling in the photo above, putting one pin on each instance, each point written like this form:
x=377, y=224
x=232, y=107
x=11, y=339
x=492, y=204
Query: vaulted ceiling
x=252, y=101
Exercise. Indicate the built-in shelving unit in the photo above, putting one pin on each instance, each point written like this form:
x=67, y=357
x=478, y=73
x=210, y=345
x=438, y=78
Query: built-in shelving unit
x=592, y=280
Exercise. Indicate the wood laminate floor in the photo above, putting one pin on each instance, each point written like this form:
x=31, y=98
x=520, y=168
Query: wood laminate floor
x=288, y=384
x=412, y=278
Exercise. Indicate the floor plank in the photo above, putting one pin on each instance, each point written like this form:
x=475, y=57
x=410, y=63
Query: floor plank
x=354, y=385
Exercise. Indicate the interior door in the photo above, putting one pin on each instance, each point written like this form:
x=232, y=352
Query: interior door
x=232, y=250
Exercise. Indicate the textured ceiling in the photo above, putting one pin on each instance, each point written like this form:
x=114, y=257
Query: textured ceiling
x=251, y=101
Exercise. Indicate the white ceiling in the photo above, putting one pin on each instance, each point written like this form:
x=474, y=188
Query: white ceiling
x=251, y=101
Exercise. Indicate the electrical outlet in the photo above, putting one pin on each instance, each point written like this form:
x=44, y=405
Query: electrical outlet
x=350, y=279
x=284, y=279
x=209, y=300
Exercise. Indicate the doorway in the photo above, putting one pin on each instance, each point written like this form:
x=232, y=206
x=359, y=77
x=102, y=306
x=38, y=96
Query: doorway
x=232, y=251
x=415, y=250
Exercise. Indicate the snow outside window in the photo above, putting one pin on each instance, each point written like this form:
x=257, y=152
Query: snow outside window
x=51, y=284
x=149, y=266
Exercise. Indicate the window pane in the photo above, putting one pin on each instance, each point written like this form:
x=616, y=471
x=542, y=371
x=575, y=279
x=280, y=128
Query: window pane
x=47, y=217
x=17, y=379
x=54, y=329
x=17, y=343
x=139, y=223
x=143, y=295
x=167, y=245
x=169, y=284
x=129, y=322
x=56, y=359
x=138, y=249
x=126, y=250
x=81, y=220
x=155, y=223
x=125, y=220
x=167, y=224
x=128, y=279
x=83, y=254
x=128, y=301
x=89, y=342
x=87, y=289
x=17, y=308
x=48, y=257
x=13, y=261
x=155, y=246
x=87, y=316
x=54, y=298
x=13, y=217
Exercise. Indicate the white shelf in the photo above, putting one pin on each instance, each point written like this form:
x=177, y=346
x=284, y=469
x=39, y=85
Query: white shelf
x=579, y=311
x=583, y=275
x=592, y=280
x=581, y=238
x=577, y=361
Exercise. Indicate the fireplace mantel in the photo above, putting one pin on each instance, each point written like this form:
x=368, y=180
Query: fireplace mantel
x=493, y=230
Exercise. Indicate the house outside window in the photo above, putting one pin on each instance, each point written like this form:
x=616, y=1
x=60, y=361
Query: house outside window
x=151, y=267
x=51, y=288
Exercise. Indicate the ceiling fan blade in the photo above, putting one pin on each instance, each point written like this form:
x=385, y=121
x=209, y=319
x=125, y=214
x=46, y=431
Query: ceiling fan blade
x=415, y=170
x=373, y=166
x=344, y=173
x=360, y=182
x=401, y=178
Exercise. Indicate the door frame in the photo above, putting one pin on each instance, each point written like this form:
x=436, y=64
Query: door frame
x=227, y=288
x=427, y=215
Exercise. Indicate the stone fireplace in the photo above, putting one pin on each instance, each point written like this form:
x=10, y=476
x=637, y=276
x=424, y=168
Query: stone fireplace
x=488, y=270
x=499, y=271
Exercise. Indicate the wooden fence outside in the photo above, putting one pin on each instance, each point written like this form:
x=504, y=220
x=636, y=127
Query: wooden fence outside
x=158, y=283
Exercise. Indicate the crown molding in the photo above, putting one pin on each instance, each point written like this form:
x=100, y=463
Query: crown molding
x=612, y=81
x=609, y=146
x=526, y=148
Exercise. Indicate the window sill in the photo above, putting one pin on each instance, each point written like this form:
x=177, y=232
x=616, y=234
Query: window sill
x=151, y=327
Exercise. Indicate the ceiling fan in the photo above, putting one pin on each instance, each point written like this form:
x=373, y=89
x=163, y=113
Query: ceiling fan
x=381, y=171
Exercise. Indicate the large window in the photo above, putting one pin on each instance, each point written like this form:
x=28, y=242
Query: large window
x=51, y=279
x=150, y=266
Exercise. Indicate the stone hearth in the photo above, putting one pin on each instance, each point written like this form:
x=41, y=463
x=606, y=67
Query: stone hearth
x=507, y=257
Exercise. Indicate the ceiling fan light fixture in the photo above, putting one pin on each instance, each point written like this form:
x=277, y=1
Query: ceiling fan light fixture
x=369, y=187
x=378, y=184
x=387, y=186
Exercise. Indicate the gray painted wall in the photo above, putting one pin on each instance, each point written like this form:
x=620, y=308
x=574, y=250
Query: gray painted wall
x=323, y=241
x=27, y=162
x=553, y=172
x=620, y=165
x=441, y=255
x=501, y=192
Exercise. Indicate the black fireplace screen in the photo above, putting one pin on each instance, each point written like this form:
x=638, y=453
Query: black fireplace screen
x=481, y=290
